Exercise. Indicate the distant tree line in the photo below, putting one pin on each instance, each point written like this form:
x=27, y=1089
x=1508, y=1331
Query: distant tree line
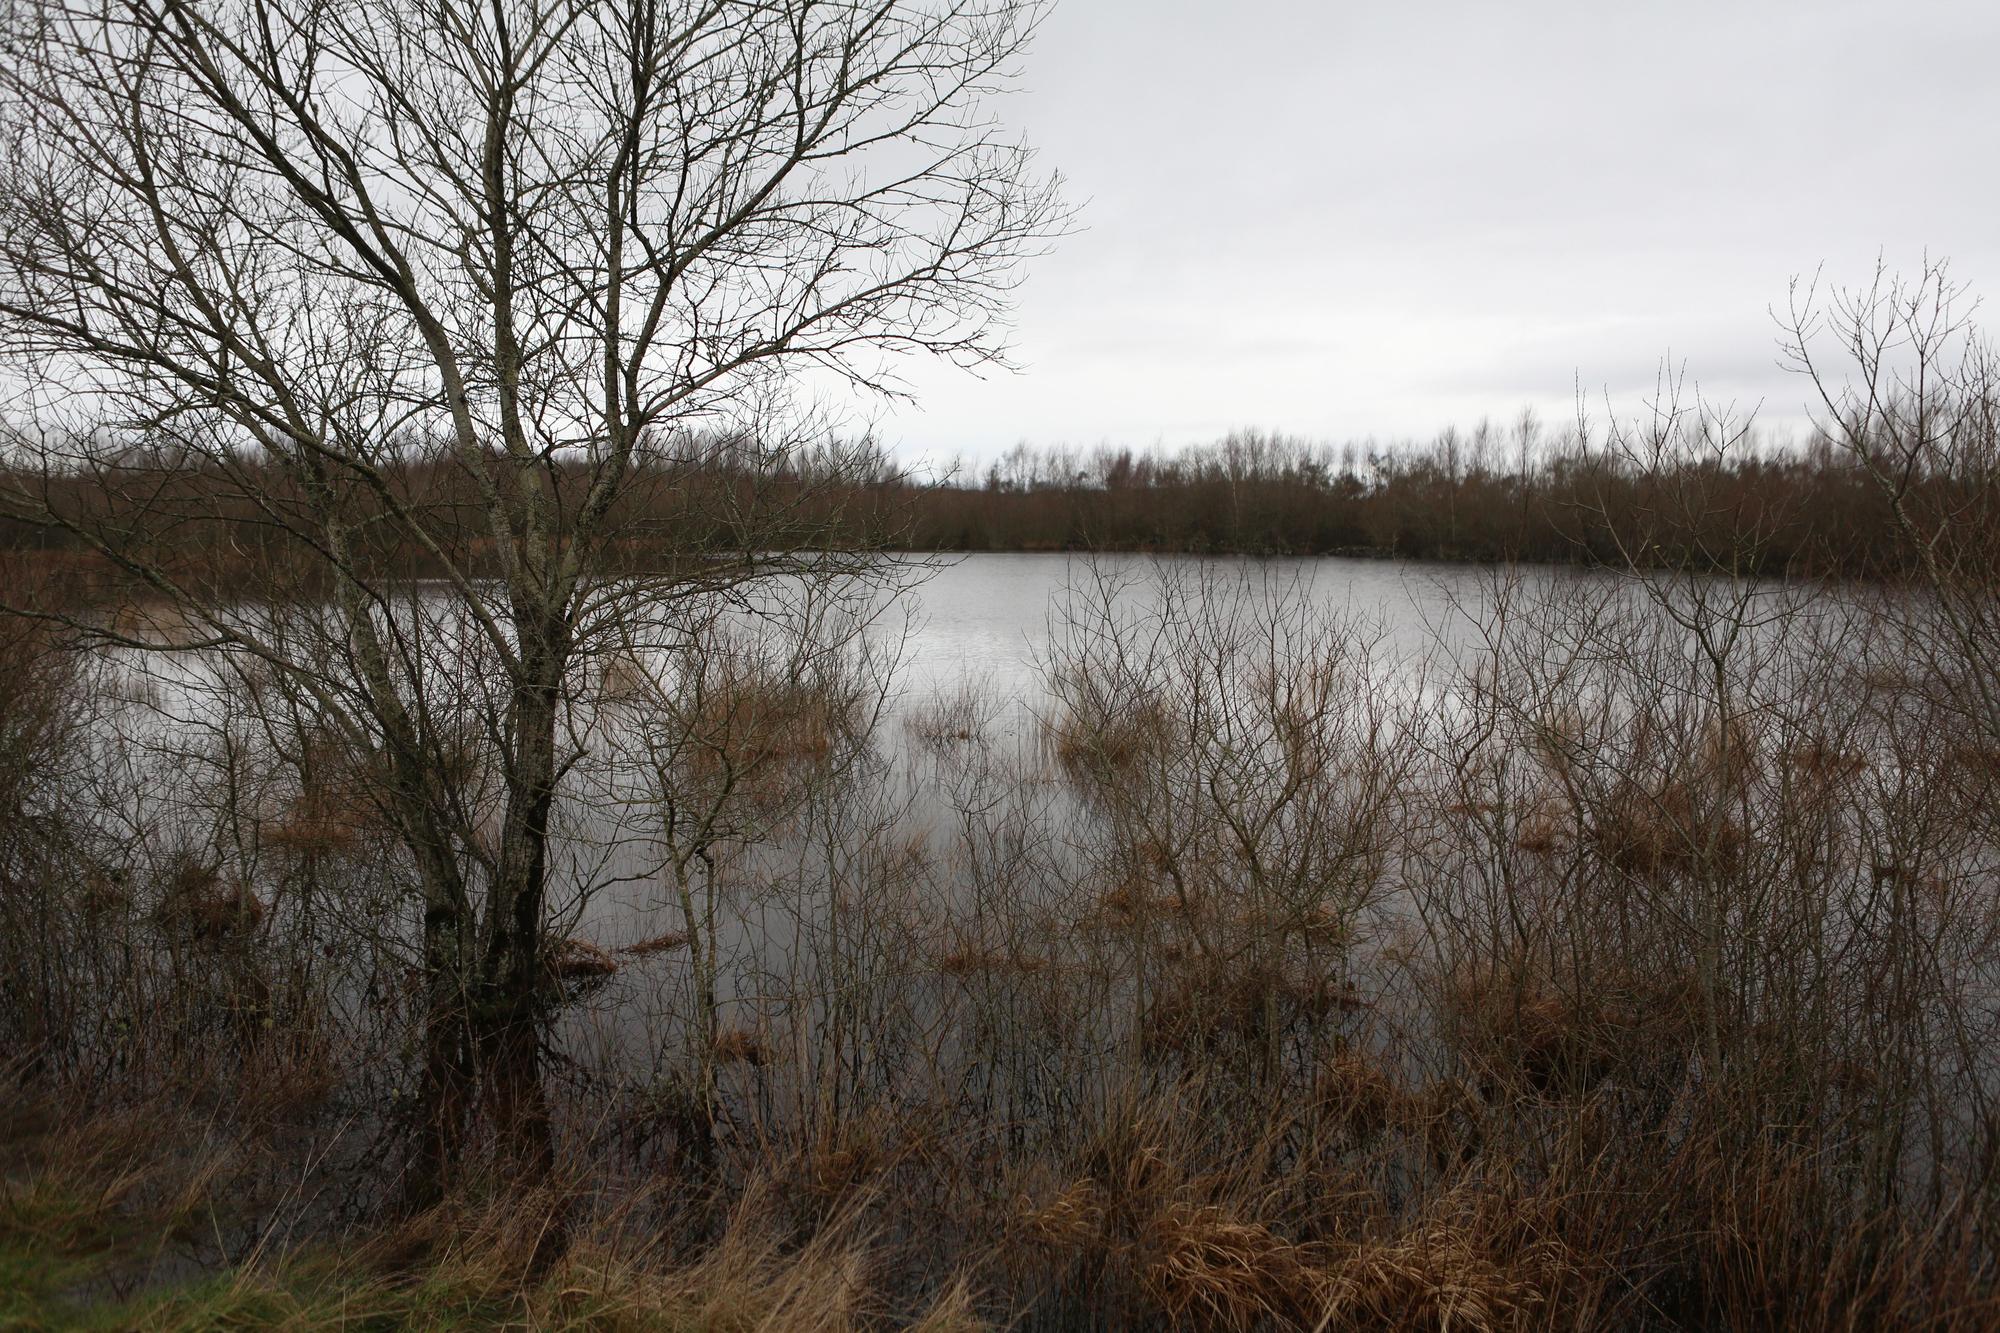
x=1487, y=494
x=160, y=512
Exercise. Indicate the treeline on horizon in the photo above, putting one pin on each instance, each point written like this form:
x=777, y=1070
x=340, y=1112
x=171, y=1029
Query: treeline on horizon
x=1758, y=506
x=1485, y=495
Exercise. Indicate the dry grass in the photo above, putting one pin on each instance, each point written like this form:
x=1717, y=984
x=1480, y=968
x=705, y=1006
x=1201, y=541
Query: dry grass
x=740, y=1046
x=1137, y=900
x=576, y=960
x=755, y=721
x=1208, y=1008
x=1162, y=1246
x=114, y=1197
x=1072, y=1220
x=1692, y=1061
x=1206, y=1268
x=337, y=806
x=1178, y=1260
x=1099, y=747
x=842, y=1163
x=1823, y=763
x=624, y=679
x=1545, y=826
x=1206, y=1004
x=1972, y=770
x=1359, y=1097
x=197, y=904
x=967, y=959
x=658, y=944
x=1516, y=1026
x=161, y=622
x=1666, y=830
x=759, y=741
x=328, y=817
x=955, y=718
x=1457, y=1267
x=72, y=1183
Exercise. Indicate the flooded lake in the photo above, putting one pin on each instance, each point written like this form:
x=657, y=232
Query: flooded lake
x=1034, y=824
x=1001, y=648
x=994, y=616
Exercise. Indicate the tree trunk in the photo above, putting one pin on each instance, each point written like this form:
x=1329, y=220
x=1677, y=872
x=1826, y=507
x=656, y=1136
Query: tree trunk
x=517, y=984
x=446, y=1076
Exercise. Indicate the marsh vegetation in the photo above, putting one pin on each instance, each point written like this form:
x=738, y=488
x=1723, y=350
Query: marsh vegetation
x=1629, y=960
x=466, y=856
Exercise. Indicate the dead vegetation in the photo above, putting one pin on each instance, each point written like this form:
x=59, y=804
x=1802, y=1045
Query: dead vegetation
x=1576, y=1088
x=1104, y=743
x=972, y=960
x=950, y=718
x=577, y=960
x=741, y=1046
x=751, y=722
x=1321, y=1014
x=336, y=804
x=1520, y=1026
x=198, y=904
x=658, y=944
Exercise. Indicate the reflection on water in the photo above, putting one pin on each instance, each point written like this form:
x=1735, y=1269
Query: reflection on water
x=975, y=641
x=991, y=617
x=1477, y=839
x=987, y=630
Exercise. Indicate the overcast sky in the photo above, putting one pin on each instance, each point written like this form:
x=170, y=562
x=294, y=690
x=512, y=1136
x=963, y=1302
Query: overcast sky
x=1347, y=220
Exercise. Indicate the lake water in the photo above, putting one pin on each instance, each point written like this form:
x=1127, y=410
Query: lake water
x=876, y=907
x=990, y=621
x=993, y=616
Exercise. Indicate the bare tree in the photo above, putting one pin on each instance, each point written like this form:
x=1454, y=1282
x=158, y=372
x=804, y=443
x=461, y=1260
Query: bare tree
x=1907, y=386
x=303, y=297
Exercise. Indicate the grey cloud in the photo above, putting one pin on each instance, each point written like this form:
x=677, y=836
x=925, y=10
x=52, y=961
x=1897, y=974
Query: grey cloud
x=1324, y=218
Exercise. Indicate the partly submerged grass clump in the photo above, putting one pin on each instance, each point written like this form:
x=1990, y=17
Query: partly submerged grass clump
x=757, y=739
x=197, y=903
x=1519, y=1025
x=947, y=719
x=754, y=720
x=1099, y=743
